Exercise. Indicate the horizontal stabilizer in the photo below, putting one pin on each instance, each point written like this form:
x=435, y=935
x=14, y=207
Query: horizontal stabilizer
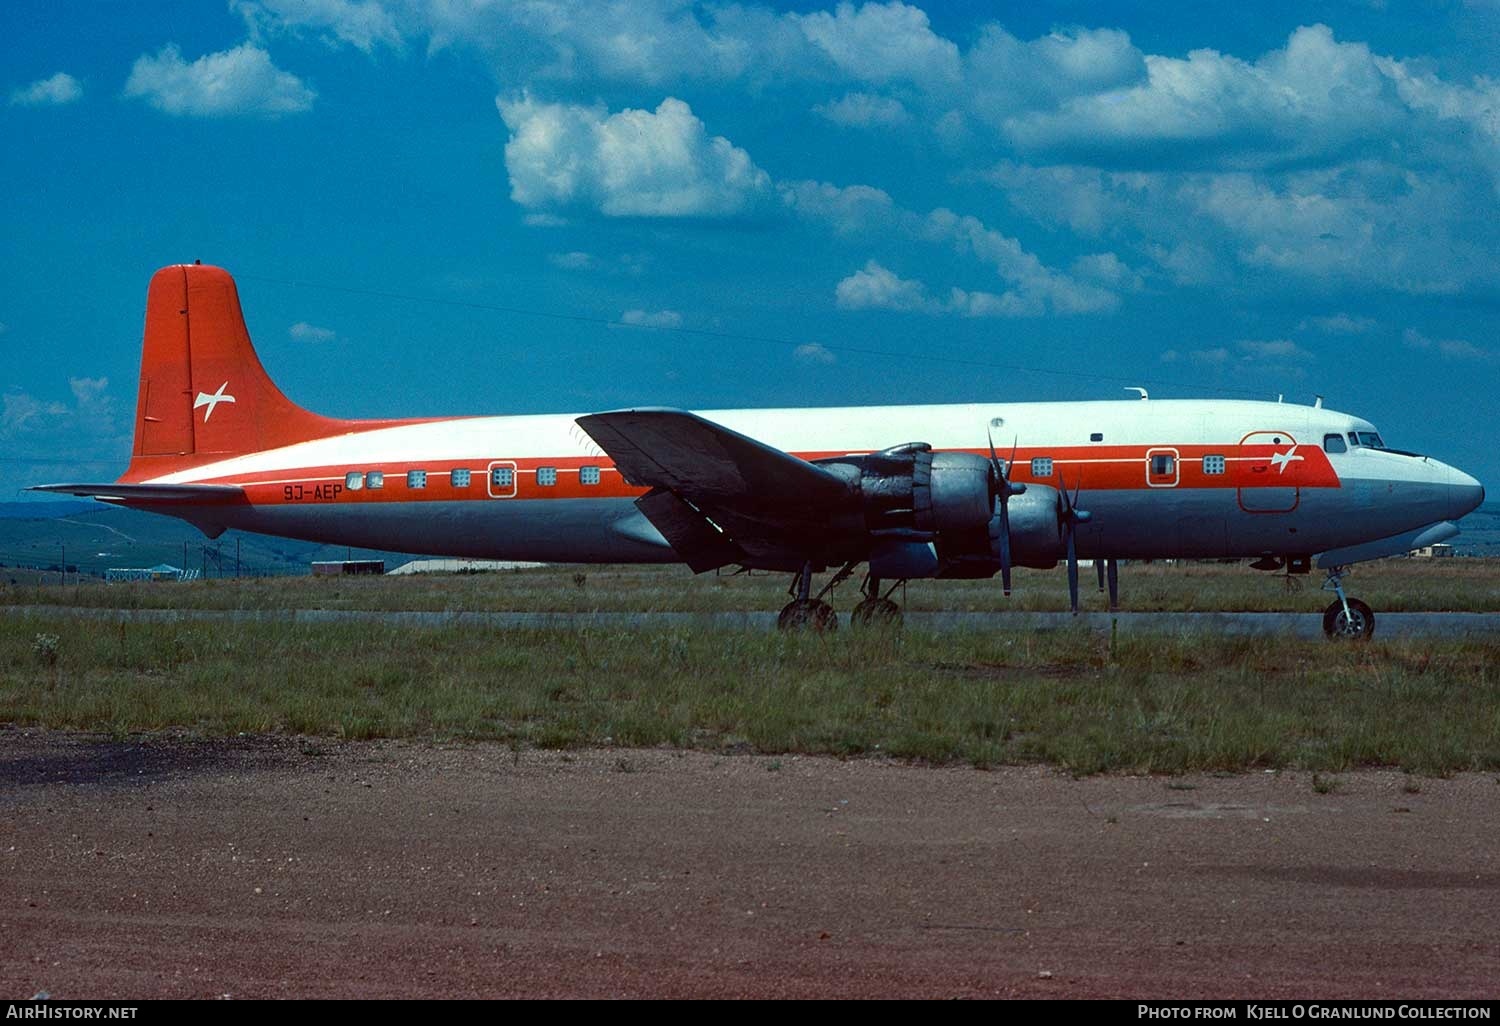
x=166, y=493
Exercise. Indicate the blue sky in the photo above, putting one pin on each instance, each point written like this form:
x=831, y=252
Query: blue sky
x=488, y=207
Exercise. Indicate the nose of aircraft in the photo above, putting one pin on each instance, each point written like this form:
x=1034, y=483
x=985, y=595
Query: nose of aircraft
x=1465, y=493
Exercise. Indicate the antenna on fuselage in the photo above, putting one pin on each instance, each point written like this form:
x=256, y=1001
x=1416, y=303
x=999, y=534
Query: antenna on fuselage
x=1317, y=402
x=1137, y=388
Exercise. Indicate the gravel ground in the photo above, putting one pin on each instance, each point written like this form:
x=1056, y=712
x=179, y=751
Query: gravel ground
x=296, y=867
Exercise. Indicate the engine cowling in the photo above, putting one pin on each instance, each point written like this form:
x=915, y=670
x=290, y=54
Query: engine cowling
x=933, y=514
x=912, y=488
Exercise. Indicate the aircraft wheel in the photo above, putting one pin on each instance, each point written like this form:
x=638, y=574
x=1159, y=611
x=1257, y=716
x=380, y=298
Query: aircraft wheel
x=875, y=613
x=1358, y=625
x=808, y=615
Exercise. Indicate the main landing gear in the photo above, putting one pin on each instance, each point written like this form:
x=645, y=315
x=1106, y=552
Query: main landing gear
x=809, y=612
x=876, y=610
x=1346, y=618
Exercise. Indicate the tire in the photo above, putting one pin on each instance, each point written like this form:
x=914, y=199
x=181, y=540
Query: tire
x=876, y=613
x=1357, y=626
x=808, y=615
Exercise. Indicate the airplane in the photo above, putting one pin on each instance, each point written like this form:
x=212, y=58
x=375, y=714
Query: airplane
x=910, y=492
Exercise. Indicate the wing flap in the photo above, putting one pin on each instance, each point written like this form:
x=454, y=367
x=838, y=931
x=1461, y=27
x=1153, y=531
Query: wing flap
x=692, y=535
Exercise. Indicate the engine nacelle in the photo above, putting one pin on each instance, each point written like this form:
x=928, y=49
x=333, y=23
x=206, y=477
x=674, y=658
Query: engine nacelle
x=912, y=488
x=1036, y=538
x=933, y=514
x=1036, y=535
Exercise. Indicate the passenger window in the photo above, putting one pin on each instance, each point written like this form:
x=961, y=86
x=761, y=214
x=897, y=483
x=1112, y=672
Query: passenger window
x=503, y=477
x=375, y=479
x=588, y=475
x=354, y=480
x=546, y=477
x=459, y=478
x=1097, y=436
x=1041, y=466
x=1163, y=465
x=1213, y=464
x=416, y=479
x=1334, y=443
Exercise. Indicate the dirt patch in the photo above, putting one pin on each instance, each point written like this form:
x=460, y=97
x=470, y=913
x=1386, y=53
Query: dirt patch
x=178, y=867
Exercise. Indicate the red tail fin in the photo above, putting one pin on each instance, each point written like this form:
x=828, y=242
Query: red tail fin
x=204, y=395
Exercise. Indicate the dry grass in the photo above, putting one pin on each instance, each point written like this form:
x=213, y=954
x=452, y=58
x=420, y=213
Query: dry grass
x=1165, y=703
x=1389, y=586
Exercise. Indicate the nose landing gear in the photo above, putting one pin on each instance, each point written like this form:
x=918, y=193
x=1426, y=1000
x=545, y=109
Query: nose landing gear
x=1345, y=618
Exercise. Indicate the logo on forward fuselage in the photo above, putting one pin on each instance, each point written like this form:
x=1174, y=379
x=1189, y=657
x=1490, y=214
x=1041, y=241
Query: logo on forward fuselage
x=1278, y=459
x=204, y=399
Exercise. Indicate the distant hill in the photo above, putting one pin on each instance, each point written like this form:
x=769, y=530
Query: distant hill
x=96, y=538
x=1481, y=532
x=44, y=510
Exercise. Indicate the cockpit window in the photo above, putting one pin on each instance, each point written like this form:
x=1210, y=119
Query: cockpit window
x=1371, y=440
x=1334, y=443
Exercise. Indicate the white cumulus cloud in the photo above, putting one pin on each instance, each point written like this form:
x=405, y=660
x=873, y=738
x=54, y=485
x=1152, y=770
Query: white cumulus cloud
x=577, y=260
x=238, y=81
x=813, y=353
x=635, y=163
x=56, y=91
x=359, y=23
x=864, y=110
x=1448, y=348
x=304, y=332
x=652, y=318
x=881, y=42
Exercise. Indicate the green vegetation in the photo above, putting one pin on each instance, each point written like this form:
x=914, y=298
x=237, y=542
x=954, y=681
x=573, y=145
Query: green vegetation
x=1394, y=585
x=1150, y=703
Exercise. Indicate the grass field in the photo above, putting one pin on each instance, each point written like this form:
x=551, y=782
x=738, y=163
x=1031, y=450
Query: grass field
x=1168, y=703
x=1396, y=585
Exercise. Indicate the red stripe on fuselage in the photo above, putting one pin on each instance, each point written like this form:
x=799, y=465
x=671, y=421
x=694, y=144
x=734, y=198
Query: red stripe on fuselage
x=1091, y=468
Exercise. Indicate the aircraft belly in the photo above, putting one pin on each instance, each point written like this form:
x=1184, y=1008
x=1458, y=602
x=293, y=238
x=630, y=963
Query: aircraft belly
x=1211, y=523
x=549, y=531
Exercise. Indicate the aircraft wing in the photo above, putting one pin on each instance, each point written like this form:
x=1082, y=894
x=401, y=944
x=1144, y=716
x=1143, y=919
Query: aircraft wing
x=183, y=493
x=720, y=497
x=699, y=459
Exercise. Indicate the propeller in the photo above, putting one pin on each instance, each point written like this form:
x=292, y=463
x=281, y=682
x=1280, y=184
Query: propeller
x=1071, y=517
x=1003, y=489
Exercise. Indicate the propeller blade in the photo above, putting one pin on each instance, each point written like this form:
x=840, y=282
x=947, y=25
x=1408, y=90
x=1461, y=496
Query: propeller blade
x=1003, y=490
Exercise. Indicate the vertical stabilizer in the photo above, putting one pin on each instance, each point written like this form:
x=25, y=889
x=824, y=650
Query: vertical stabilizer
x=204, y=395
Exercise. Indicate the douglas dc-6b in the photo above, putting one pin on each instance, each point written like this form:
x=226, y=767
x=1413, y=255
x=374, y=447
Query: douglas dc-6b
x=909, y=491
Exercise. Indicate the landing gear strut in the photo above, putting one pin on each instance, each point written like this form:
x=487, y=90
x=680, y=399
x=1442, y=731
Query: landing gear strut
x=1345, y=618
x=805, y=612
x=876, y=610
x=1101, y=566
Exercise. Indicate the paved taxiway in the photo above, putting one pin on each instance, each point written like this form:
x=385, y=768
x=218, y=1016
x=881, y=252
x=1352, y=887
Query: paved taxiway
x=1302, y=625
x=265, y=867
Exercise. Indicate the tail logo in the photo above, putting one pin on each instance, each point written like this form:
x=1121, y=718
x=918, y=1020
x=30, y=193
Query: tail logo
x=204, y=399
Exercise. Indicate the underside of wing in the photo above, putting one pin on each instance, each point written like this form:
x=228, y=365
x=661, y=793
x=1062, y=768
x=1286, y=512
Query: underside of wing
x=138, y=493
x=720, y=497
